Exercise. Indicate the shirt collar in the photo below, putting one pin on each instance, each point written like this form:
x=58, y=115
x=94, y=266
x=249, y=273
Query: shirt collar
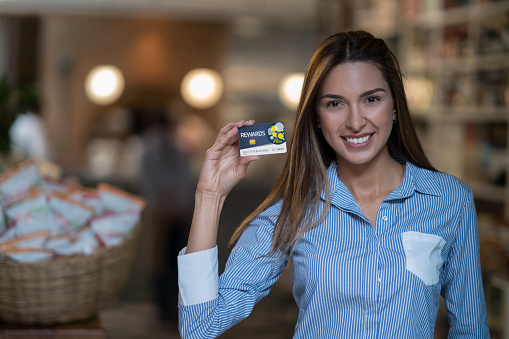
x=415, y=179
x=424, y=181
x=341, y=196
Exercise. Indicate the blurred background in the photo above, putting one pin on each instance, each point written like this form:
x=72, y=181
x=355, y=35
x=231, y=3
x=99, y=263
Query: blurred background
x=133, y=92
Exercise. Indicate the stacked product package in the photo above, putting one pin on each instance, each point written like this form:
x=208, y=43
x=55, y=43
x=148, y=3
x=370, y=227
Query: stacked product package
x=43, y=218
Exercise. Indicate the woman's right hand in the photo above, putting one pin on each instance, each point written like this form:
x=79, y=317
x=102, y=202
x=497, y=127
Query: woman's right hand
x=223, y=166
x=221, y=171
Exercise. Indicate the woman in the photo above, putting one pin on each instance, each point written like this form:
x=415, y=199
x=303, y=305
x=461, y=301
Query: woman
x=376, y=234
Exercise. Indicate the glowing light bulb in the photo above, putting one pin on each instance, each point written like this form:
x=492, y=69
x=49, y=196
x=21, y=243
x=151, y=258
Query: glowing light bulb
x=202, y=88
x=104, y=84
x=290, y=88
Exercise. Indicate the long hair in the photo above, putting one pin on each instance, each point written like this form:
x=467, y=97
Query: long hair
x=304, y=174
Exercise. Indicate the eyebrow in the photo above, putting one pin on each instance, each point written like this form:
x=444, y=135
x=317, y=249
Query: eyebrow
x=367, y=93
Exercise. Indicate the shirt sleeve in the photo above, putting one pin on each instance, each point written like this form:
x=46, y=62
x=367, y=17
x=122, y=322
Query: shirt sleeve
x=197, y=276
x=462, y=282
x=248, y=277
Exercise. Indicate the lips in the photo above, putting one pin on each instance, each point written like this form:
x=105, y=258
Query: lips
x=358, y=139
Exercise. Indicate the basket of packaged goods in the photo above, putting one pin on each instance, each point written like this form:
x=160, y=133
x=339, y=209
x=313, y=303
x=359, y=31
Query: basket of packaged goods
x=66, y=251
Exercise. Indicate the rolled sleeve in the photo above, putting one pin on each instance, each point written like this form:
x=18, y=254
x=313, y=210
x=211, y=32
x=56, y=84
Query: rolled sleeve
x=250, y=271
x=198, y=276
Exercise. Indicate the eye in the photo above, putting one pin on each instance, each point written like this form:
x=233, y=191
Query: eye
x=372, y=99
x=332, y=105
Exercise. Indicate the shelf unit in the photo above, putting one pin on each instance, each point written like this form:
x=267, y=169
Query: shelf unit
x=455, y=56
x=461, y=48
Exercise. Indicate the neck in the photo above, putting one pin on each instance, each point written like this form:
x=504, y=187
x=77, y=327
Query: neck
x=378, y=177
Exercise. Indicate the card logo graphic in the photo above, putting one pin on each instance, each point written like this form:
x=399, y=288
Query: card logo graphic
x=276, y=133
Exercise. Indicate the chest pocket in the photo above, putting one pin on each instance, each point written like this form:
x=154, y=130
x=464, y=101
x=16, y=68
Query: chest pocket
x=423, y=255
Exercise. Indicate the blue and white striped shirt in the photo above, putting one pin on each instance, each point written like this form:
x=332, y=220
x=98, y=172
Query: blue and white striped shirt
x=353, y=280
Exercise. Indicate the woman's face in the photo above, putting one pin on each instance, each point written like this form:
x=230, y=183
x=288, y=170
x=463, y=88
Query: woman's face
x=355, y=112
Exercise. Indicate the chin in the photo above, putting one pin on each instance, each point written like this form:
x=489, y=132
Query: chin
x=357, y=160
x=352, y=161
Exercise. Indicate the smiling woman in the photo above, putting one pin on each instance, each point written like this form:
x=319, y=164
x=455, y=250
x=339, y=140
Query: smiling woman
x=375, y=233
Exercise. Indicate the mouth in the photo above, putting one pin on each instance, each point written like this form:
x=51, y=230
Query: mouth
x=359, y=140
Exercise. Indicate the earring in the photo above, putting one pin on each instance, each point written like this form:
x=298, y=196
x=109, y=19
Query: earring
x=394, y=119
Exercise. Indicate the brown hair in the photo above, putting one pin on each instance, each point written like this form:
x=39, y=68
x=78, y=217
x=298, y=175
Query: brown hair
x=304, y=175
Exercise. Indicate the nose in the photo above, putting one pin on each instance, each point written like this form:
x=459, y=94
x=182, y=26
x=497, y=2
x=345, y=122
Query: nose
x=355, y=120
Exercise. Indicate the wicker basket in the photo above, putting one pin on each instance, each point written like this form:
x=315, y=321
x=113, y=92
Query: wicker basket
x=66, y=289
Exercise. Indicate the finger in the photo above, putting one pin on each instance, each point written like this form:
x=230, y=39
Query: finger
x=225, y=130
x=249, y=159
x=229, y=138
x=230, y=133
x=245, y=162
x=231, y=125
x=226, y=133
x=241, y=123
x=237, y=124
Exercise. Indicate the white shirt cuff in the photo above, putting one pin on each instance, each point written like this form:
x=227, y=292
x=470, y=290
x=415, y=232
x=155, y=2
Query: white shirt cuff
x=198, y=276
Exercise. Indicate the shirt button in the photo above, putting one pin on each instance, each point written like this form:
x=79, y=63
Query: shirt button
x=379, y=279
x=384, y=218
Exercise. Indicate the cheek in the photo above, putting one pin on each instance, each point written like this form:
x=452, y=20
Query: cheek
x=328, y=121
x=329, y=129
x=381, y=117
x=319, y=118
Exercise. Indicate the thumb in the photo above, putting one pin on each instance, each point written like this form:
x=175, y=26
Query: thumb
x=249, y=159
x=245, y=162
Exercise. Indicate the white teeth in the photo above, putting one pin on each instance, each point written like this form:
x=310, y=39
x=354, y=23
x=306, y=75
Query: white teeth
x=358, y=140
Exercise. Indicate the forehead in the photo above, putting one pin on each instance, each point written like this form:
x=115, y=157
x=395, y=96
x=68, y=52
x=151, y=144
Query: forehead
x=353, y=78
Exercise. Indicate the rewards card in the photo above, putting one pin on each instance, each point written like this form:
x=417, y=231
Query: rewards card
x=262, y=139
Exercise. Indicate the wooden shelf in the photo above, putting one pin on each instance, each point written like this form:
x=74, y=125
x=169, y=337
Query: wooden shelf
x=488, y=193
x=476, y=114
x=470, y=85
x=459, y=15
x=473, y=64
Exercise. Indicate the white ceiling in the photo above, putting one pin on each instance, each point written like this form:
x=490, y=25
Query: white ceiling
x=290, y=11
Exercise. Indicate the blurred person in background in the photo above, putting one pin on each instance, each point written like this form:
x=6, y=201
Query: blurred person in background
x=28, y=134
x=168, y=185
x=375, y=232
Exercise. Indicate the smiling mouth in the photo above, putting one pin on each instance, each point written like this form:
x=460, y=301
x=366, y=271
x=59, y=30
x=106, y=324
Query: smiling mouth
x=359, y=140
